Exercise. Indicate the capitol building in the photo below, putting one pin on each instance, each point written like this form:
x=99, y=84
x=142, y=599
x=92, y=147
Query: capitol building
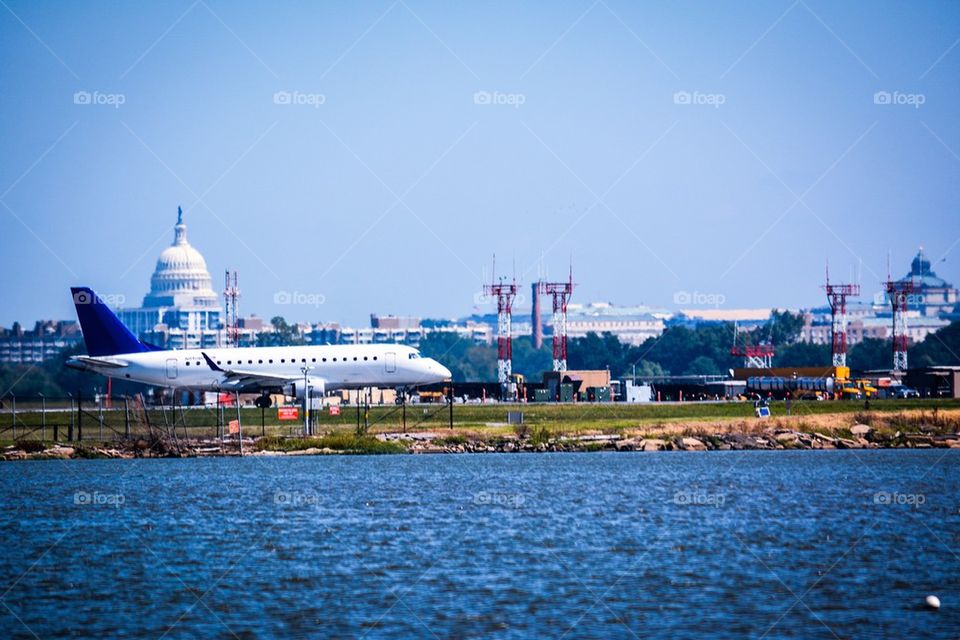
x=181, y=311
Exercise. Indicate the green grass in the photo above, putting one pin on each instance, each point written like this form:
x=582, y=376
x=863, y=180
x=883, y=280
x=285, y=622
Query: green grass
x=558, y=419
x=342, y=442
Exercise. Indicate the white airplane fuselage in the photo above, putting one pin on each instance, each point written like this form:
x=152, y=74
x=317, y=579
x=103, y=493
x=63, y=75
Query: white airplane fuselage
x=260, y=368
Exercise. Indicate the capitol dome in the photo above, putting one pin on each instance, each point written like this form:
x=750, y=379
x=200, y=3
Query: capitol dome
x=181, y=278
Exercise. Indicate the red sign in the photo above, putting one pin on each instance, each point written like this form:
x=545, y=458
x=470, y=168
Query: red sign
x=234, y=426
x=288, y=413
x=334, y=409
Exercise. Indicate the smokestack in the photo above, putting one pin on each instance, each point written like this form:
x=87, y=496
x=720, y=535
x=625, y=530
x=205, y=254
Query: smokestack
x=535, y=315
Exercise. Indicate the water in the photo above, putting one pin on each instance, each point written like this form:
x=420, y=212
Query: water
x=724, y=544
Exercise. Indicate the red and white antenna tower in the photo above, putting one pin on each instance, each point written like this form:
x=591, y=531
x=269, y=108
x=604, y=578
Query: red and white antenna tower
x=755, y=356
x=837, y=295
x=231, y=298
x=899, y=292
x=505, y=293
x=561, y=292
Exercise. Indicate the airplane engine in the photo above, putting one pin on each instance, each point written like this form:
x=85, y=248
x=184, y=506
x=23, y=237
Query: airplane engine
x=296, y=389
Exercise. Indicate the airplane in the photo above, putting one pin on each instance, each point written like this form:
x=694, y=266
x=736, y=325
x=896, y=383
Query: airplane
x=114, y=351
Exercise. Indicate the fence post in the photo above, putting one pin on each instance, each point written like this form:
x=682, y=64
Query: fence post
x=43, y=417
x=451, y=404
x=56, y=431
x=79, y=415
x=100, y=413
x=126, y=417
x=14, y=414
x=70, y=431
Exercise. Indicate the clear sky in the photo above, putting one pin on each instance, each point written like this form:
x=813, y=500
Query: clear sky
x=373, y=156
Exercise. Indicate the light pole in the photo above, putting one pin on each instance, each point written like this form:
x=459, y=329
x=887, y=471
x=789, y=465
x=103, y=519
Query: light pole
x=306, y=400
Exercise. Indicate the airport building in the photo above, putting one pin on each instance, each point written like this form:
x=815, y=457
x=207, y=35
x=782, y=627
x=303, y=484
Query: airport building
x=181, y=311
x=46, y=340
x=931, y=306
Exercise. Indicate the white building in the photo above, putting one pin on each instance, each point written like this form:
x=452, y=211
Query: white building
x=181, y=311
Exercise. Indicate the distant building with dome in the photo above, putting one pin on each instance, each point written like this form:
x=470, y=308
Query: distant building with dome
x=181, y=311
x=932, y=295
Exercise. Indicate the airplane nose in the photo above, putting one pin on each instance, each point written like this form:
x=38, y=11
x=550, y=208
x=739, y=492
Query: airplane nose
x=441, y=370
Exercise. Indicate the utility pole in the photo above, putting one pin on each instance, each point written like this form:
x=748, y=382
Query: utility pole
x=505, y=293
x=306, y=400
x=837, y=295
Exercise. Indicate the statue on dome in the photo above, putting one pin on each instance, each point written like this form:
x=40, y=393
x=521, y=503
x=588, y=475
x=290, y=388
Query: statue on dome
x=179, y=215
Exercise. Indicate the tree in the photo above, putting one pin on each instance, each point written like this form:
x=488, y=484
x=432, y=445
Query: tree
x=871, y=353
x=467, y=362
x=940, y=348
x=703, y=366
x=803, y=354
x=283, y=334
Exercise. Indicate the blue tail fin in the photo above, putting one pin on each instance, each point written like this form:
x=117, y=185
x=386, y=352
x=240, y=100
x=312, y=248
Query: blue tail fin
x=103, y=332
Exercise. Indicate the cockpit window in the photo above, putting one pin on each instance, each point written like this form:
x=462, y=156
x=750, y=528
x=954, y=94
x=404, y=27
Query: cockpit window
x=413, y=356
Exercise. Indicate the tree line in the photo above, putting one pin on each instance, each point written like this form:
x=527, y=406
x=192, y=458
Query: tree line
x=702, y=349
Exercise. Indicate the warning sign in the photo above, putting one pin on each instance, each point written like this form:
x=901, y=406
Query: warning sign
x=288, y=413
x=234, y=426
x=334, y=409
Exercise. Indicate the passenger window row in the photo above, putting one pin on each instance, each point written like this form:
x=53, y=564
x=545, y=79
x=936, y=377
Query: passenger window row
x=284, y=360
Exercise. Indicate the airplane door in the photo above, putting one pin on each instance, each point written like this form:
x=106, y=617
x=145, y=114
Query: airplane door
x=391, y=362
x=171, y=368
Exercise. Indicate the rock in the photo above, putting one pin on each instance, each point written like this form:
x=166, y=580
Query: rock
x=739, y=442
x=653, y=444
x=788, y=437
x=844, y=443
x=312, y=451
x=861, y=430
x=60, y=451
x=627, y=445
x=932, y=602
x=692, y=444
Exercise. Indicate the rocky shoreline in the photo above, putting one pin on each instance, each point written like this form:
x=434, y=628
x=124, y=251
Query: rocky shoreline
x=859, y=436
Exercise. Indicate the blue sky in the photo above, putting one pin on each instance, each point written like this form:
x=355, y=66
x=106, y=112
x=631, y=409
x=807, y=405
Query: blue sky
x=724, y=148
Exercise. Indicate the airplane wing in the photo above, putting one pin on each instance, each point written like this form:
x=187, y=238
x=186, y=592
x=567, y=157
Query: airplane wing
x=240, y=379
x=85, y=362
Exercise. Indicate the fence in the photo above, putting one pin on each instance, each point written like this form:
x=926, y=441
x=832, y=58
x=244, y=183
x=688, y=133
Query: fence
x=104, y=418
